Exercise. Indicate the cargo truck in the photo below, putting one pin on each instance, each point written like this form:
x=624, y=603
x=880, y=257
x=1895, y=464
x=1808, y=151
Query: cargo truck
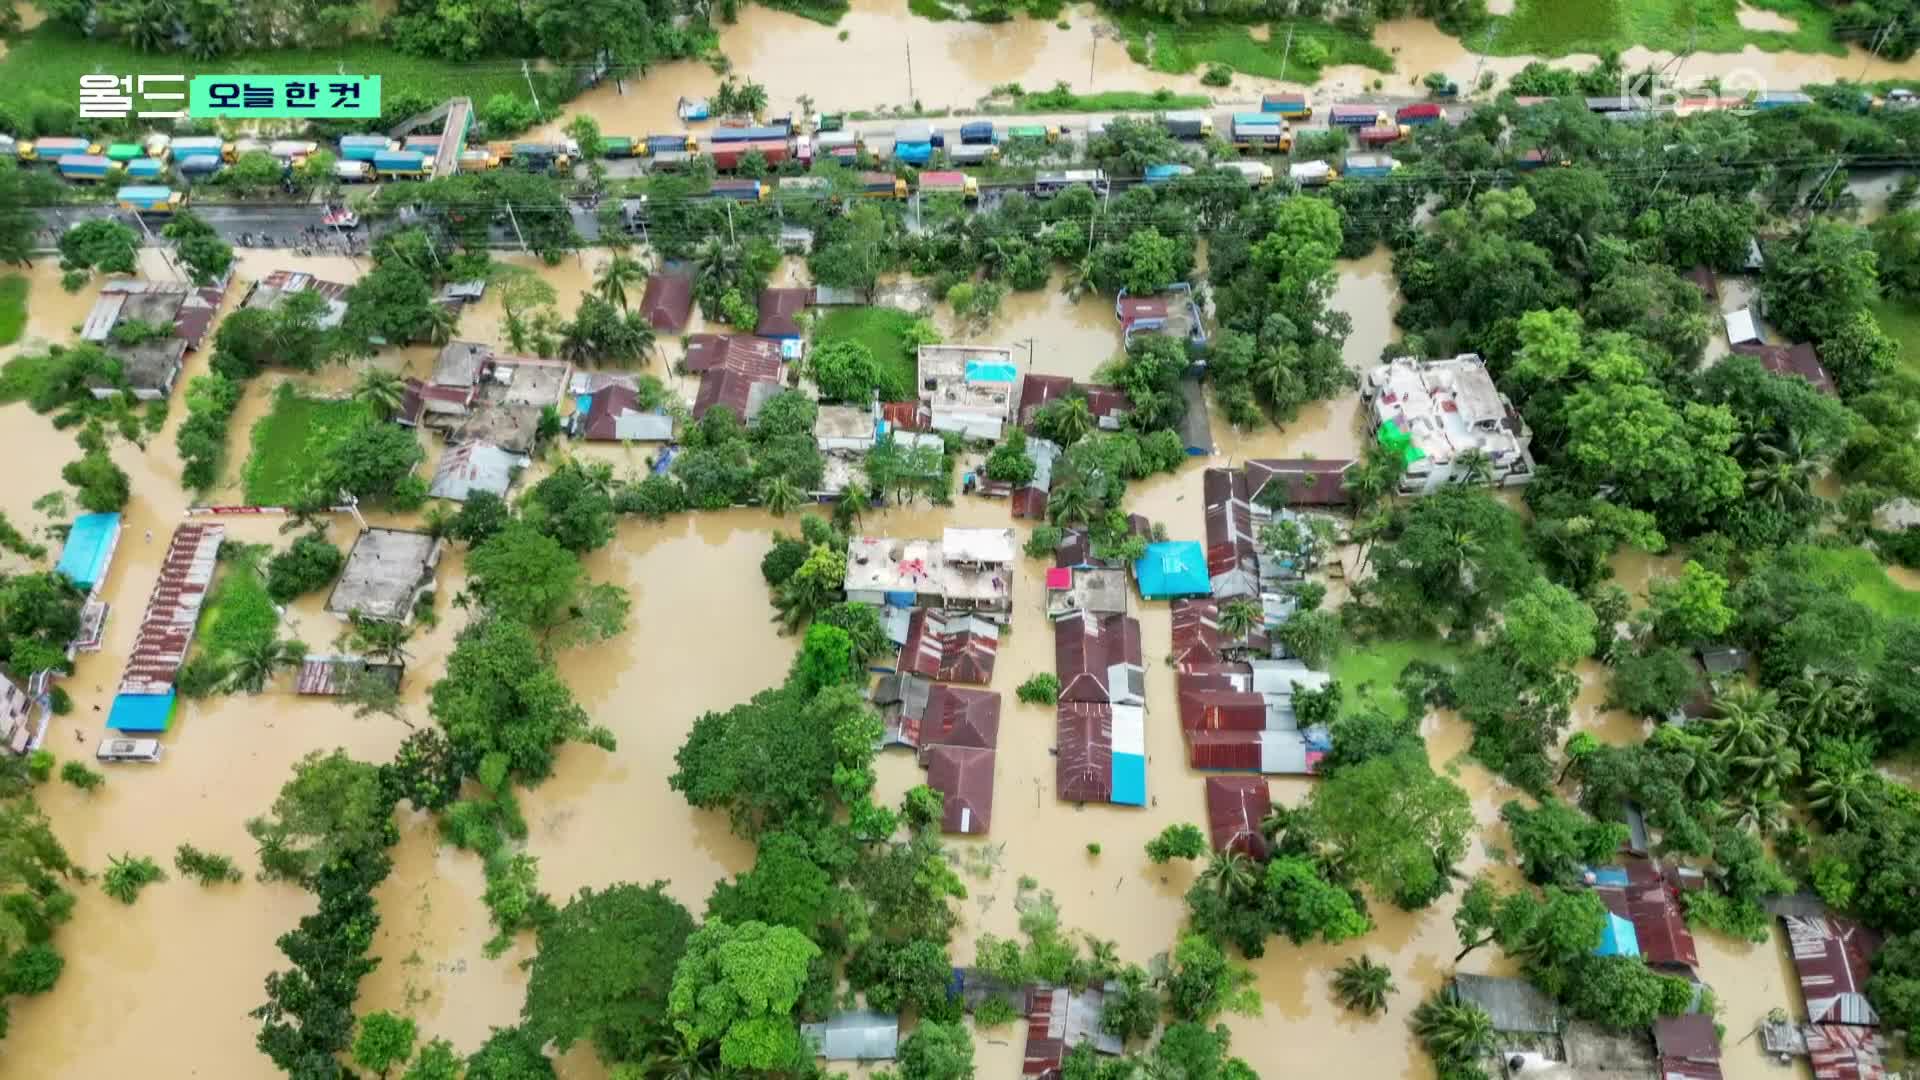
x=727, y=156
x=149, y=200
x=949, y=183
x=421, y=144
x=812, y=186
x=146, y=168
x=974, y=154
x=844, y=145
x=353, y=172
x=738, y=190
x=1369, y=166
x=1261, y=131
x=1356, y=116
x=202, y=145
x=86, y=167
x=472, y=161
x=402, y=164
x=1188, y=125
x=912, y=153
x=208, y=164
x=292, y=151
x=1046, y=185
x=749, y=134
x=1382, y=134
x=883, y=185
x=55, y=148
x=1311, y=173
x=124, y=152
x=615, y=147
x=1418, y=115
x=977, y=133
x=1033, y=133
x=667, y=144
x=540, y=157
x=1165, y=174
x=1290, y=106
x=1780, y=99
x=1255, y=173
x=363, y=147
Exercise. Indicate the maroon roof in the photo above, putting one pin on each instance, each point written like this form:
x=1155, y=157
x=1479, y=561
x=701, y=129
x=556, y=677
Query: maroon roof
x=1223, y=749
x=1845, y=1052
x=959, y=716
x=778, y=311
x=1086, y=647
x=173, y=609
x=906, y=415
x=1310, y=481
x=1030, y=502
x=1691, y=1036
x=1230, y=541
x=948, y=648
x=1196, y=633
x=1831, y=956
x=738, y=352
x=1683, y=1069
x=332, y=675
x=1037, y=390
x=453, y=401
x=725, y=387
x=963, y=775
x=190, y=323
x=1083, y=765
x=1798, y=360
x=603, y=412
x=668, y=302
x=1220, y=709
x=1107, y=402
x=1235, y=807
x=1131, y=308
x=1661, y=927
x=1703, y=279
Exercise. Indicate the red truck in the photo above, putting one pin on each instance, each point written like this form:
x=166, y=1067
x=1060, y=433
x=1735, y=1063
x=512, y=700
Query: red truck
x=1422, y=113
x=1382, y=134
x=726, y=155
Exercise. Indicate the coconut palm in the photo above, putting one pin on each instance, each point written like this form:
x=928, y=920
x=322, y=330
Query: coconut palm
x=1822, y=705
x=1747, y=723
x=779, y=495
x=1069, y=504
x=259, y=662
x=1067, y=420
x=1755, y=809
x=1238, y=618
x=1840, y=797
x=1782, y=475
x=752, y=98
x=717, y=258
x=1363, y=985
x=1078, y=280
x=620, y=272
x=1701, y=772
x=1772, y=767
x=1366, y=484
x=852, y=505
x=1277, y=373
x=1231, y=874
x=669, y=1055
x=382, y=390
x=1103, y=957
x=1475, y=466
x=1453, y=1030
x=441, y=323
x=377, y=639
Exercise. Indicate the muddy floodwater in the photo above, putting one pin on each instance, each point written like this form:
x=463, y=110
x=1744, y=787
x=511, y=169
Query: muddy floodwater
x=162, y=988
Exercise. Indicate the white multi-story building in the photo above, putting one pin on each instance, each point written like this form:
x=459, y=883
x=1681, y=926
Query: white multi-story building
x=1443, y=414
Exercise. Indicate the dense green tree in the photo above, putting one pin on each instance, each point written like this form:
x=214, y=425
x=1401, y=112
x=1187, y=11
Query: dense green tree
x=102, y=244
x=603, y=968
x=510, y=1053
x=501, y=695
x=1818, y=277
x=384, y=1041
x=103, y=486
x=373, y=461
x=334, y=809
x=306, y=565
x=1400, y=827
x=737, y=986
x=525, y=575
x=1691, y=608
x=574, y=505
x=771, y=761
x=1202, y=982
x=1557, y=842
x=1181, y=841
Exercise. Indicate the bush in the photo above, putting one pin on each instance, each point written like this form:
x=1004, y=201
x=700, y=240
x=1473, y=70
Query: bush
x=206, y=867
x=507, y=114
x=1217, y=75
x=1044, y=540
x=1042, y=689
x=310, y=563
x=199, y=677
x=1093, y=847
x=202, y=438
x=128, y=874
x=40, y=766
x=77, y=774
x=60, y=701
x=653, y=498
x=32, y=970
x=104, y=487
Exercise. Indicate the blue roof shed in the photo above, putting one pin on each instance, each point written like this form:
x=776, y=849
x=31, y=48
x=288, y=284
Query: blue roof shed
x=141, y=712
x=1618, y=939
x=1173, y=569
x=89, y=548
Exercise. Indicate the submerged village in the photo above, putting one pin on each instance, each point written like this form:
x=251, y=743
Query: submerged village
x=673, y=578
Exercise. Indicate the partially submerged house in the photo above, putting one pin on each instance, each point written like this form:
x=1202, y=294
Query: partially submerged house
x=613, y=414
x=1235, y=807
x=959, y=716
x=1515, y=1005
x=950, y=646
x=1447, y=421
x=1108, y=405
x=84, y=560
x=739, y=372
x=386, y=573
x=267, y=293
x=1076, y=546
x=1233, y=552
x=1799, y=359
x=1303, y=481
x=1088, y=591
x=1197, y=637
x=1101, y=753
x=668, y=301
x=1059, y=1019
x=176, y=318
x=475, y=466
x=963, y=775
x=23, y=717
x=1099, y=660
x=1241, y=717
x=1688, y=1047
x=144, y=701
x=968, y=389
x=1172, y=569
x=1655, y=926
x=1173, y=313
x=1832, y=957
x=961, y=570
x=1196, y=431
x=860, y=1035
x=330, y=676
x=478, y=395
x=780, y=311
x=1030, y=499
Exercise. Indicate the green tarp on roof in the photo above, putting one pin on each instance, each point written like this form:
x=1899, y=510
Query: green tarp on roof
x=1400, y=442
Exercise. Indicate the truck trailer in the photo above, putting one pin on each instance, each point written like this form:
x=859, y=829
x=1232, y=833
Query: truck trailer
x=728, y=156
x=1261, y=131
x=144, y=199
x=1188, y=125
x=1356, y=116
x=86, y=167
x=1290, y=106
x=883, y=185
x=1419, y=115
x=403, y=164
x=949, y=183
x=363, y=147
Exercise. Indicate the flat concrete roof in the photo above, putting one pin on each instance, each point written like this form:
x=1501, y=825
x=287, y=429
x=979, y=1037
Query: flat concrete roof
x=384, y=571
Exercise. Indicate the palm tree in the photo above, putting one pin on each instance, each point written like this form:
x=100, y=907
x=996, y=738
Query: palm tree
x=751, y=98
x=1748, y=723
x=1363, y=985
x=1103, y=956
x=1770, y=768
x=258, y=663
x=1078, y=280
x=1230, y=873
x=1842, y=796
x=1760, y=810
x=378, y=639
x=1702, y=771
x=441, y=323
x=1823, y=705
x=621, y=271
x=1069, y=420
x=1069, y=504
x=717, y=258
x=852, y=505
x=1238, y=618
x=1476, y=467
x=1366, y=485
x=1783, y=474
x=779, y=495
x=1277, y=373
x=1453, y=1030
x=383, y=390
x=670, y=1055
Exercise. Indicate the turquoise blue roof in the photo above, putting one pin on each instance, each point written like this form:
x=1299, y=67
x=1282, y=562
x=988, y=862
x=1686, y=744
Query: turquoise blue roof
x=1129, y=780
x=141, y=712
x=89, y=545
x=1610, y=875
x=1619, y=938
x=1173, y=568
x=990, y=371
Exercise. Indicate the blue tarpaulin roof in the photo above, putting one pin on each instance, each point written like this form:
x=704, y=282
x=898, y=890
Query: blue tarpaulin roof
x=1173, y=568
x=89, y=543
x=1619, y=938
x=1610, y=875
x=141, y=712
x=990, y=371
x=1129, y=780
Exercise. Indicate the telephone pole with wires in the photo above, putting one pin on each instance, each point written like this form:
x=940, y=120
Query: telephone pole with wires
x=1286, y=53
x=527, y=73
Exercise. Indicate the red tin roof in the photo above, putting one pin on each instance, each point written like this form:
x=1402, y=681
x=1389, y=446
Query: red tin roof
x=1083, y=769
x=960, y=716
x=1235, y=807
x=1086, y=648
x=963, y=775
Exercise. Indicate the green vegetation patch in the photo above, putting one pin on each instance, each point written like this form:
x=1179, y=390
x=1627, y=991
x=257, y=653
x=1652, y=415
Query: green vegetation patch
x=884, y=332
x=986, y=11
x=1558, y=28
x=1368, y=671
x=239, y=613
x=1868, y=581
x=45, y=65
x=292, y=443
x=26, y=375
x=1901, y=321
x=1110, y=101
x=824, y=12
x=13, y=307
x=1180, y=49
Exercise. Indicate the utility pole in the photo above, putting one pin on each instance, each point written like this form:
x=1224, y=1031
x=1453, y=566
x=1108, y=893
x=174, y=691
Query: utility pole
x=910, y=96
x=1879, y=42
x=1819, y=190
x=1485, y=44
x=1286, y=53
x=731, y=239
x=528, y=74
x=515, y=221
x=1093, y=57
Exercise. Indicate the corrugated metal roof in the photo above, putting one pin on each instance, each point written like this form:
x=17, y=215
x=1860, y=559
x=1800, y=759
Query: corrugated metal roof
x=668, y=301
x=1098, y=658
x=960, y=716
x=963, y=775
x=173, y=610
x=1059, y=1019
x=1691, y=1036
x=1842, y=1052
x=1308, y=481
x=1831, y=955
x=748, y=355
x=779, y=309
x=1233, y=555
x=614, y=415
x=1514, y=1004
x=473, y=467
x=1235, y=807
x=950, y=647
x=862, y=1035
x=1083, y=768
x=331, y=675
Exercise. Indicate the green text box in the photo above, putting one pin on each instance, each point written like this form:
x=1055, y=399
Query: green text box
x=328, y=97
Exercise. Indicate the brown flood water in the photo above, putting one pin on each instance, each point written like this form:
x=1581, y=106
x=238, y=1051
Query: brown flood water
x=606, y=818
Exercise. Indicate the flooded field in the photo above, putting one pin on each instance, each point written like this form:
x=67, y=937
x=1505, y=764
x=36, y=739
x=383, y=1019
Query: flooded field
x=162, y=988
